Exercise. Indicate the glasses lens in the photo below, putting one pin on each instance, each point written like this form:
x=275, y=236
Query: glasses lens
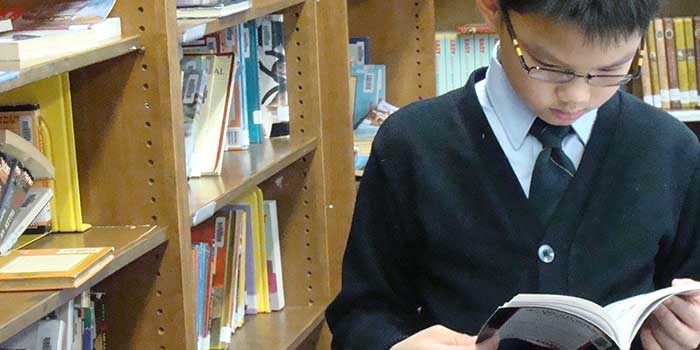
x=552, y=76
x=610, y=81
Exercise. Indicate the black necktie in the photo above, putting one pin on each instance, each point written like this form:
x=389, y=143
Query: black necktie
x=553, y=169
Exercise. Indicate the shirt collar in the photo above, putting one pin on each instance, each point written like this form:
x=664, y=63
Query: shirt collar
x=513, y=114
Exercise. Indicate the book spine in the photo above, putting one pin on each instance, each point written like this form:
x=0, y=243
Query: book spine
x=696, y=22
x=664, y=89
x=681, y=61
x=653, y=66
x=692, y=61
x=647, y=93
x=674, y=88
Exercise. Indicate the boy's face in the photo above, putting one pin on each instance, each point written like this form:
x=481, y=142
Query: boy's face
x=562, y=46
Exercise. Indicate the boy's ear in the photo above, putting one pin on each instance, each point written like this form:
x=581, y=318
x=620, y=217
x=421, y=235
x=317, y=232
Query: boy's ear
x=491, y=12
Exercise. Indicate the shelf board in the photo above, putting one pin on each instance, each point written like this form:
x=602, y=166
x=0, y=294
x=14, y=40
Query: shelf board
x=186, y=27
x=52, y=65
x=21, y=309
x=283, y=330
x=243, y=170
x=687, y=116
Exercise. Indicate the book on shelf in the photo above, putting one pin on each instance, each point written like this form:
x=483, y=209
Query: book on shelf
x=50, y=269
x=58, y=14
x=662, y=61
x=359, y=50
x=195, y=75
x=19, y=49
x=272, y=72
x=45, y=334
x=251, y=82
x=273, y=256
x=566, y=322
x=25, y=120
x=674, y=69
x=35, y=200
x=210, y=9
x=459, y=53
x=57, y=130
x=16, y=182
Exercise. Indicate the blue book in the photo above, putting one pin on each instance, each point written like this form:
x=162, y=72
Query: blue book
x=249, y=42
x=370, y=90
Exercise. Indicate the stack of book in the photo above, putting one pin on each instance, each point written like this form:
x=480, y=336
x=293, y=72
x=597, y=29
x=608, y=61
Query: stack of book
x=54, y=28
x=20, y=202
x=234, y=90
x=210, y=8
x=459, y=53
x=671, y=73
x=80, y=324
x=238, y=268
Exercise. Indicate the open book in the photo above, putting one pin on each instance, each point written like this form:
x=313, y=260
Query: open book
x=563, y=322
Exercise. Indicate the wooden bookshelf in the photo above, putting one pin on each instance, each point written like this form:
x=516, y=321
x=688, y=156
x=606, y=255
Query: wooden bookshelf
x=243, y=170
x=404, y=42
x=20, y=309
x=52, y=65
x=191, y=28
x=283, y=330
x=128, y=124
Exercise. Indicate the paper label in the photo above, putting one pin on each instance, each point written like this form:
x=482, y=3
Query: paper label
x=43, y=263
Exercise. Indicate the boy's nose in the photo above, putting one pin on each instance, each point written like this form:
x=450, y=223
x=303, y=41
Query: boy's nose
x=574, y=93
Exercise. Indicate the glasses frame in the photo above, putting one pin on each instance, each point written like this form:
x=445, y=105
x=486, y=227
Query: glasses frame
x=624, y=78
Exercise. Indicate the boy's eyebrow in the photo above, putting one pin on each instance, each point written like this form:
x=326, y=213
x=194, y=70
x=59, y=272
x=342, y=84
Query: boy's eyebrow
x=542, y=53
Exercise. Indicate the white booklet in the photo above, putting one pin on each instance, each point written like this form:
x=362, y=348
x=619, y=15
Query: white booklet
x=564, y=322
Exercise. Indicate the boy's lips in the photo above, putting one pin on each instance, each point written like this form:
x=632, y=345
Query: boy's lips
x=568, y=115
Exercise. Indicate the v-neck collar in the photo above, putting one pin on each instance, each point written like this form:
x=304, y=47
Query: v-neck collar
x=509, y=191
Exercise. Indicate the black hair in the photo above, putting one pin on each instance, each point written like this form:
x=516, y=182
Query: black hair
x=604, y=20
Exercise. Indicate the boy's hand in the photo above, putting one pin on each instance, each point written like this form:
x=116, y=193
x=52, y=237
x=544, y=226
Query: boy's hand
x=675, y=324
x=443, y=338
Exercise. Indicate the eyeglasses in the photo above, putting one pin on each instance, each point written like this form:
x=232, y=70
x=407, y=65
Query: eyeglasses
x=558, y=76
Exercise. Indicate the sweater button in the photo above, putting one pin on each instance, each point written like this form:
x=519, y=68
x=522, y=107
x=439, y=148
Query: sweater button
x=546, y=253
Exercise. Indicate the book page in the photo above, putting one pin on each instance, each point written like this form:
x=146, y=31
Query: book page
x=43, y=263
x=546, y=328
x=629, y=314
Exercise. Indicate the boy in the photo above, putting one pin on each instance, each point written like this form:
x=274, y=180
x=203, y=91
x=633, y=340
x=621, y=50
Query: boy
x=538, y=176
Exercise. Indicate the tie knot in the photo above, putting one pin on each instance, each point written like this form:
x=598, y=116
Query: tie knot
x=549, y=135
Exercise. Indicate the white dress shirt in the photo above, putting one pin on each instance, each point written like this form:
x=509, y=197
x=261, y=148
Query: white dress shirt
x=510, y=119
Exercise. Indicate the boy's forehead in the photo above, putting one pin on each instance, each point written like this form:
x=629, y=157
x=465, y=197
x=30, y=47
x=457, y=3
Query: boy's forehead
x=566, y=42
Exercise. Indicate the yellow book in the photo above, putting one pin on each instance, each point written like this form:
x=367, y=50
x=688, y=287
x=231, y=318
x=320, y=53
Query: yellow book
x=50, y=269
x=653, y=67
x=647, y=93
x=662, y=61
x=53, y=95
x=692, y=61
x=261, y=256
x=682, y=63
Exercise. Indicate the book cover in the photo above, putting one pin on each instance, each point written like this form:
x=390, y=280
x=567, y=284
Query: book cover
x=261, y=277
x=272, y=71
x=647, y=93
x=274, y=256
x=47, y=269
x=251, y=83
x=692, y=59
x=369, y=90
x=210, y=9
x=682, y=62
x=673, y=82
x=14, y=191
x=653, y=66
x=546, y=321
x=196, y=71
x=452, y=62
x=63, y=14
x=237, y=136
x=440, y=64
x=210, y=133
x=248, y=266
x=696, y=25
x=662, y=61
x=242, y=228
x=482, y=50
